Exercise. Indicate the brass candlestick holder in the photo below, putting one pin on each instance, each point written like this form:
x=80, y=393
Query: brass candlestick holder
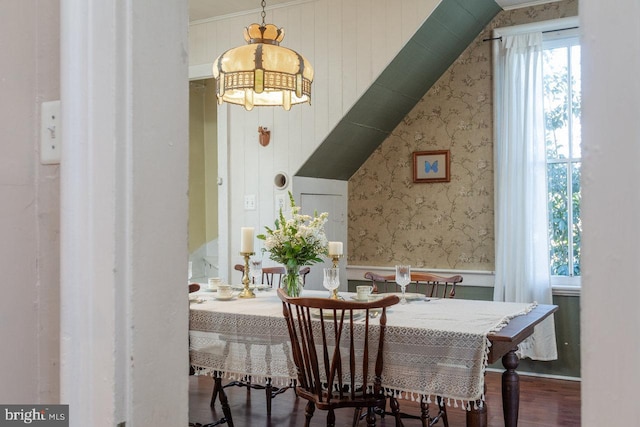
x=336, y=259
x=246, y=292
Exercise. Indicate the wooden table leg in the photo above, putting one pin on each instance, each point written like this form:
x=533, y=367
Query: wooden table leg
x=510, y=389
x=477, y=416
x=219, y=393
x=217, y=385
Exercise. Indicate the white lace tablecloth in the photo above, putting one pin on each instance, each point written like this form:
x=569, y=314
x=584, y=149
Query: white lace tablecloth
x=433, y=348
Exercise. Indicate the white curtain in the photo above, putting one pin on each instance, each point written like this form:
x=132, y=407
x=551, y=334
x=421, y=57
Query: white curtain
x=522, y=248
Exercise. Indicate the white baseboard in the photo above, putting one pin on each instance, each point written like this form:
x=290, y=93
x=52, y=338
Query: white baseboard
x=534, y=374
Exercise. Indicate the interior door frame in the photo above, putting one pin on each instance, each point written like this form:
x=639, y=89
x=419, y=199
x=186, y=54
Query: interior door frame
x=305, y=186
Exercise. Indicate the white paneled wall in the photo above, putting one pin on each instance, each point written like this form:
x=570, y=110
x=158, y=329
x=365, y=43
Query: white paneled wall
x=349, y=43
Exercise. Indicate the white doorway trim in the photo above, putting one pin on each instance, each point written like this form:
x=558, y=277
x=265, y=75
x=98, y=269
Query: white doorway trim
x=124, y=212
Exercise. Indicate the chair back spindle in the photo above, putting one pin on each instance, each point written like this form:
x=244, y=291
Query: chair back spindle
x=334, y=348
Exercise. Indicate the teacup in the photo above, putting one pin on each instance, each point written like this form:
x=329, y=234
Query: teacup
x=225, y=291
x=214, y=282
x=363, y=292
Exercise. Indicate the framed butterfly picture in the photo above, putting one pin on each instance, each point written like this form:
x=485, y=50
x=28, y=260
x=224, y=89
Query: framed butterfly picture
x=431, y=166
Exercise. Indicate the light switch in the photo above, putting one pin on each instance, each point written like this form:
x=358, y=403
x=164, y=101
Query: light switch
x=50, y=134
x=250, y=202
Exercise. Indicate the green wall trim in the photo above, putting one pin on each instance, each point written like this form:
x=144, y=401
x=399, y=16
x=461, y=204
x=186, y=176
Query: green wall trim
x=444, y=35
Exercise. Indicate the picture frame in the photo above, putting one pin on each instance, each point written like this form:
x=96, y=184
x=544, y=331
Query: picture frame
x=431, y=166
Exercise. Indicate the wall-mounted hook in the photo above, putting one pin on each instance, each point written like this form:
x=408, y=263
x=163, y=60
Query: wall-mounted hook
x=265, y=136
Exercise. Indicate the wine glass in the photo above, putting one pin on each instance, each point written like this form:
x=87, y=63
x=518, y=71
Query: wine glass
x=331, y=280
x=255, y=271
x=403, y=277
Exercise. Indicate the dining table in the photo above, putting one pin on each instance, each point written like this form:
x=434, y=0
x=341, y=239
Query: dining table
x=434, y=347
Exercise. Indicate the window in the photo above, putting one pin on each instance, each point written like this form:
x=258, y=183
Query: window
x=537, y=156
x=562, y=96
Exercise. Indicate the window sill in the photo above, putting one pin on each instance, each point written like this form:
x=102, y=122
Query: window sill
x=566, y=291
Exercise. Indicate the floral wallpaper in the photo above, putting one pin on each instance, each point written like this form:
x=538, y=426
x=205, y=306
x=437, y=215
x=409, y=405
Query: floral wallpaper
x=438, y=225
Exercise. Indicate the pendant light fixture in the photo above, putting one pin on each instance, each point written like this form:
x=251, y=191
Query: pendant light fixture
x=262, y=72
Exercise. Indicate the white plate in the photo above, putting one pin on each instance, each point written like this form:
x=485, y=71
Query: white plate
x=254, y=287
x=209, y=290
x=355, y=298
x=221, y=298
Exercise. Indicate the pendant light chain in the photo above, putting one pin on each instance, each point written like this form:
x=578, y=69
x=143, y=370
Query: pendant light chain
x=263, y=14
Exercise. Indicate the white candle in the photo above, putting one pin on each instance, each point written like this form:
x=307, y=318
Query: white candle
x=246, y=240
x=335, y=248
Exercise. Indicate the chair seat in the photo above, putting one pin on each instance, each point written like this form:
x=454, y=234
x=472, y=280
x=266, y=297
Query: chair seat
x=359, y=400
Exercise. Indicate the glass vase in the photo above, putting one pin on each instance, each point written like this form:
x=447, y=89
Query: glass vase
x=292, y=281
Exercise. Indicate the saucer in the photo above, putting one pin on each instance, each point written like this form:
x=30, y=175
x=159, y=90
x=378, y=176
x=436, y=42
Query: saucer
x=225, y=298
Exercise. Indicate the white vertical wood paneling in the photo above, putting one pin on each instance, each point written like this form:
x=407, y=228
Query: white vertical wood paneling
x=379, y=33
x=409, y=10
x=280, y=136
x=268, y=159
x=212, y=39
x=349, y=54
x=197, y=44
x=334, y=34
x=349, y=43
x=320, y=89
x=390, y=39
x=363, y=54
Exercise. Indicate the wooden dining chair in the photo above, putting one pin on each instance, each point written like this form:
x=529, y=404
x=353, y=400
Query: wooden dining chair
x=240, y=268
x=435, y=286
x=303, y=273
x=274, y=275
x=380, y=283
x=429, y=284
x=334, y=376
x=432, y=286
x=270, y=275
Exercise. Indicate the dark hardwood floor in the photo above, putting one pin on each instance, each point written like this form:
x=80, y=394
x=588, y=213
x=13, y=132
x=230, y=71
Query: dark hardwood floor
x=543, y=403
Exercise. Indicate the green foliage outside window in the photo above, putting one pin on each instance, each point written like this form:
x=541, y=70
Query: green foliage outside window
x=562, y=98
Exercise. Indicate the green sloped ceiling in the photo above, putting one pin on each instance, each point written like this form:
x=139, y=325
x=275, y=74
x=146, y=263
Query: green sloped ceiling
x=444, y=35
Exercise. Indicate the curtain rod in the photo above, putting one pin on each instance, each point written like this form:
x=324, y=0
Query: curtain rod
x=543, y=32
